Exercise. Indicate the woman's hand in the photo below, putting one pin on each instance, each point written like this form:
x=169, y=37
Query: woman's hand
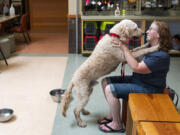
x=118, y=44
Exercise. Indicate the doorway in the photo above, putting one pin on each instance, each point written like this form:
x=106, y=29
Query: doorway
x=48, y=16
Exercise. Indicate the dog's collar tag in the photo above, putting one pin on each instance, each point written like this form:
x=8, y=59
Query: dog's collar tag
x=113, y=35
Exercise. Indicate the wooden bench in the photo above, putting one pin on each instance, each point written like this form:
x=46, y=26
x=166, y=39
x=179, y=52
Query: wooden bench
x=124, y=107
x=149, y=107
x=158, y=128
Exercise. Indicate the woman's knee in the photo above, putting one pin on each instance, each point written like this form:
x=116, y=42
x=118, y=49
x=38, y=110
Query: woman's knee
x=104, y=83
x=108, y=90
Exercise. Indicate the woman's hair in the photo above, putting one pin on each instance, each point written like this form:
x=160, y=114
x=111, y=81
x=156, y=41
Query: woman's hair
x=164, y=35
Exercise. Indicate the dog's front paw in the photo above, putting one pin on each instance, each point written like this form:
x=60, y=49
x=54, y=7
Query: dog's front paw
x=82, y=124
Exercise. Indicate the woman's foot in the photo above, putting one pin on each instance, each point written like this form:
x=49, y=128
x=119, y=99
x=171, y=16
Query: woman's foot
x=104, y=120
x=111, y=127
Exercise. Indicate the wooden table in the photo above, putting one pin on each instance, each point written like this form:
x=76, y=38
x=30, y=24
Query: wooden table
x=4, y=19
x=149, y=107
x=158, y=128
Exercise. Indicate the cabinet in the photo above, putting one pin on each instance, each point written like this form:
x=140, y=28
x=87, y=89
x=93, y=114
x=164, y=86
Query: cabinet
x=136, y=11
x=107, y=7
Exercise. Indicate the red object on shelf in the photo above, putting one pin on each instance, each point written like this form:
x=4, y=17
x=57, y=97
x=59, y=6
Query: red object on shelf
x=90, y=42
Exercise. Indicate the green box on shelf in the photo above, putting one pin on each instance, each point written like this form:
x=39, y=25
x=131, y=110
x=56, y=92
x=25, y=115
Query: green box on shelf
x=106, y=26
x=90, y=28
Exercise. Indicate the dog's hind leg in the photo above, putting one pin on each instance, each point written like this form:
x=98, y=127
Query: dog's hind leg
x=84, y=111
x=81, y=103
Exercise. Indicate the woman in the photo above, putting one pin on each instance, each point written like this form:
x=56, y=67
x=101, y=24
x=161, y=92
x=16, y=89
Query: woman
x=149, y=75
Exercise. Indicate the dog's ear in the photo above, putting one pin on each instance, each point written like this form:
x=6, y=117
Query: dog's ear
x=124, y=34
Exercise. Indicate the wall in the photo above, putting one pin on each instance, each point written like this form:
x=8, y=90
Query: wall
x=72, y=7
x=72, y=28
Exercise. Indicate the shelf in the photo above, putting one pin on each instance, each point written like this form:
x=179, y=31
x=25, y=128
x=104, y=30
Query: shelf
x=108, y=7
x=132, y=17
x=134, y=12
x=85, y=51
x=174, y=53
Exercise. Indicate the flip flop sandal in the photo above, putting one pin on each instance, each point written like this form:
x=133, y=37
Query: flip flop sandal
x=111, y=130
x=104, y=121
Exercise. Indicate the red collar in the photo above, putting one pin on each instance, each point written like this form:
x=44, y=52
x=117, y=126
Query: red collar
x=113, y=35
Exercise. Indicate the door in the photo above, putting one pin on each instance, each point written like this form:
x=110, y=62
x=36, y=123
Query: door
x=48, y=15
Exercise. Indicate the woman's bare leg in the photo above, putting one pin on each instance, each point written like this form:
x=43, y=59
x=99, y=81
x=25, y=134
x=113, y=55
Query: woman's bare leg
x=114, y=105
x=104, y=85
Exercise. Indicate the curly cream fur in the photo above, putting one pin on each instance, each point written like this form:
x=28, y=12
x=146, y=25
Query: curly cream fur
x=104, y=59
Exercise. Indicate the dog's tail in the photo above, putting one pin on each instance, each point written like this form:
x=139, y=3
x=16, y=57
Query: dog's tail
x=66, y=100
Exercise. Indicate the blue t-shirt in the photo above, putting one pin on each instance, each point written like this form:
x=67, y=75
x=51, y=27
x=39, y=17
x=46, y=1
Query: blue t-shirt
x=158, y=63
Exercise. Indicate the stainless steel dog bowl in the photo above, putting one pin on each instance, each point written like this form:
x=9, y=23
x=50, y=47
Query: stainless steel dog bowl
x=57, y=94
x=5, y=114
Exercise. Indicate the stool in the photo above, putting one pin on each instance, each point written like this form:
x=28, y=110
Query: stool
x=3, y=56
x=147, y=108
x=2, y=50
x=5, y=49
x=11, y=40
x=158, y=128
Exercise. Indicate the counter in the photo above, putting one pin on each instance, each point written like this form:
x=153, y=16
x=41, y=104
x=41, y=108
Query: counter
x=132, y=17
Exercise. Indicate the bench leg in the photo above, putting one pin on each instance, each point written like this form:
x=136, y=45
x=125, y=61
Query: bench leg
x=129, y=124
x=124, y=111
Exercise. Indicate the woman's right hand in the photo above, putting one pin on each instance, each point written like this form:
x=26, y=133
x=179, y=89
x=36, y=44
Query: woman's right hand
x=118, y=44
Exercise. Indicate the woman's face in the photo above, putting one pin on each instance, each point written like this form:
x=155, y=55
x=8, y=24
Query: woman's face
x=152, y=33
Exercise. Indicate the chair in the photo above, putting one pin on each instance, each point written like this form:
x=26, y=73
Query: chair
x=1, y=51
x=22, y=28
